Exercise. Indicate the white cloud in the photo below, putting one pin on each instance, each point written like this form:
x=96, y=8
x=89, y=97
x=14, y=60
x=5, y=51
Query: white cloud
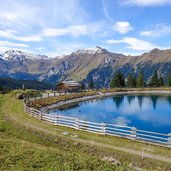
x=41, y=13
x=29, y=38
x=12, y=34
x=159, y=30
x=122, y=27
x=18, y=14
x=92, y=29
x=105, y=7
x=145, y=3
x=71, y=30
x=65, y=49
x=7, y=33
x=6, y=45
x=41, y=48
x=120, y=120
x=12, y=44
x=134, y=43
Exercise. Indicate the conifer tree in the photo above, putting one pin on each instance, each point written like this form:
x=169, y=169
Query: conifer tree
x=140, y=80
x=161, y=81
x=131, y=82
x=83, y=87
x=118, y=80
x=1, y=88
x=154, y=81
x=91, y=84
x=169, y=80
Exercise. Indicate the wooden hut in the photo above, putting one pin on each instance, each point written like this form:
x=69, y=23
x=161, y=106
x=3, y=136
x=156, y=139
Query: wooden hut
x=68, y=86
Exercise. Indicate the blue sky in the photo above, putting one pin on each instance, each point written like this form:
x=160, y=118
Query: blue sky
x=57, y=27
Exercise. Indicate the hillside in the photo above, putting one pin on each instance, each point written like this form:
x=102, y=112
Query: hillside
x=11, y=84
x=22, y=65
x=83, y=65
x=31, y=144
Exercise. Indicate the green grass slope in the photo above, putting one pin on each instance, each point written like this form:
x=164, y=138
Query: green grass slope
x=30, y=144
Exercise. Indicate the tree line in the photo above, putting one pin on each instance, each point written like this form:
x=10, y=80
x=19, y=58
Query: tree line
x=7, y=84
x=138, y=81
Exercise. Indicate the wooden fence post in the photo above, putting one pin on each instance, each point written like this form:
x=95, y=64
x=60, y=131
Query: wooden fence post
x=103, y=128
x=133, y=133
x=56, y=122
x=48, y=95
x=76, y=124
x=32, y=112
x=40, y=115
x=25, y=100
x=25, y=108
x=169, y=140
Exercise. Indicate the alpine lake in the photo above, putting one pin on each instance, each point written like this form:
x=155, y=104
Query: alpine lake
x=145, y=112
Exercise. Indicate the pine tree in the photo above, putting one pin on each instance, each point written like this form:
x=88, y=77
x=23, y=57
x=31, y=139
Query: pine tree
x=83, y=87
x=154, y=81
x=134, y=81
x=91, y=84
x=1, y=88
x=169, y=80
x=161, y=81
x=131, y=82
x=140, y=80
x=118, y=80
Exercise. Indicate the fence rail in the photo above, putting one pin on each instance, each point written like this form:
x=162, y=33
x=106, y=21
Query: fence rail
x=29, y=98
x=102, y=128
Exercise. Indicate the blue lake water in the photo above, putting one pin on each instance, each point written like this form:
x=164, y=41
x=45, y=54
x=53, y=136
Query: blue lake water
x=146, y=112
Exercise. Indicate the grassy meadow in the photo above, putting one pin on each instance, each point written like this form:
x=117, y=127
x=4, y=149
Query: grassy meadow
x=30, y=144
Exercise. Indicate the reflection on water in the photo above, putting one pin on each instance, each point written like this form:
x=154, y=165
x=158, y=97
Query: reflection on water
x=169, y=99
x=140, y=101
x=147, y=112
x=154, y=101
x=130, y=99
x=118, y=101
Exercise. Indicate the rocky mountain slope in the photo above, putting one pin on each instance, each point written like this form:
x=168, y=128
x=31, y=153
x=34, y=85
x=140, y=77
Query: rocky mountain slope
x=21, y=65
x=79, y=64
x=83, y=65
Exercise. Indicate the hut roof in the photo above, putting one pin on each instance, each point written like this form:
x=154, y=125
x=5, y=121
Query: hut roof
x=70, y=83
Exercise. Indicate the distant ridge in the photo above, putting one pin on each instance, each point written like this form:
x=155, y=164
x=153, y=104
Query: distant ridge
x=83, y=65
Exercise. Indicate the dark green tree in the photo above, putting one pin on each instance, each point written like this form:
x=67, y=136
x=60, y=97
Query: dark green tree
x=169, y=80
x=131, y=81
x=1, y=88
x=118, y=80
x=91, y=84
x=154, y=81
x=118, y=100
x=161, y=81
x=140, y=80
x=83, y=87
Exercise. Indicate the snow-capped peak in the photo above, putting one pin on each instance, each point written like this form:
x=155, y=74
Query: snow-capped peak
x=93, y=50
x=20, y=55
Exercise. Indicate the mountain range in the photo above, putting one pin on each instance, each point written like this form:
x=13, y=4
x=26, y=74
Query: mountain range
x=95, y=64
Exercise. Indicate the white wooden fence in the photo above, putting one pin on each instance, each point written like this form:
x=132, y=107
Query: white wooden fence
x=103, y=128
x=45, y=95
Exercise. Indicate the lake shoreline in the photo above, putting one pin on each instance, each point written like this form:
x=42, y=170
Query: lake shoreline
x=101, y=95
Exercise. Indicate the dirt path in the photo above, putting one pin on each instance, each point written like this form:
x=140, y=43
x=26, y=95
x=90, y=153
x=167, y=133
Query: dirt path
x=131, y=151
x=33, y=125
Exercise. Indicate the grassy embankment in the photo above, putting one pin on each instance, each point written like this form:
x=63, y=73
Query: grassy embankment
x=52, y=100
x=29, y=144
